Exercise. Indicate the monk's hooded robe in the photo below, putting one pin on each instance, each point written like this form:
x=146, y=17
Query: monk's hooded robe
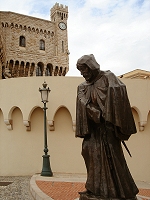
x=104, y=119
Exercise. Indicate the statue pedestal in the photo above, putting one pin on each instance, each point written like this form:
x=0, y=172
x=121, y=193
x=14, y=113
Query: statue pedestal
x=92, y=197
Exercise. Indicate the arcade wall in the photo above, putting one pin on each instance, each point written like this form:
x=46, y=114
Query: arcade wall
x=22, y=131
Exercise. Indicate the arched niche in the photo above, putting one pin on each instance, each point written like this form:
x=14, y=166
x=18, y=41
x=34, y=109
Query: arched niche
x=62, y=120
x=1, y=118
x=9, y=120
x=27, y=120
x=135, y=109
x=17, y=118
x=64, y=148
x=36, y=118
x=148, y=123
x=142, y=118
x=136, y=117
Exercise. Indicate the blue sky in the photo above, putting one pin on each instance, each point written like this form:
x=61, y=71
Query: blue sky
x=115, y=31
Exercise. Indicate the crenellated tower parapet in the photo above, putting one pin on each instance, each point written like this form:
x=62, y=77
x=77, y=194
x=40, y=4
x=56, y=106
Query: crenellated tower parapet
x=59, y=11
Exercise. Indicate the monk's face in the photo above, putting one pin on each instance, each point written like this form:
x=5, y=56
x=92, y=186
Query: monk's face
x=86, y=72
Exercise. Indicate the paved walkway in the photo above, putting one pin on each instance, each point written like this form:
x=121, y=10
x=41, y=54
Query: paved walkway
x=59, y=187
x=67, y=186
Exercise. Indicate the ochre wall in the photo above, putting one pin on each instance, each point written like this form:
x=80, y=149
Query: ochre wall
x=21, y=151
x=139, y=145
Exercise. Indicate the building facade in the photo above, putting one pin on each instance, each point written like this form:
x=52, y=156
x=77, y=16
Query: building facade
x=31, y=46
x=137, y=74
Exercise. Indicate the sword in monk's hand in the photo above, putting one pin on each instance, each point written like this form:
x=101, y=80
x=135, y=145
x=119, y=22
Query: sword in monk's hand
x=123, y=142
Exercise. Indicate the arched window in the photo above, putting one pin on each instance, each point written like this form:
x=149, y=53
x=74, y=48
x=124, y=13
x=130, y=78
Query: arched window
x=3, y=72
x=42, y=45
x=40, y=69
x=49, y=70
x=22, y=41
x=32, y=69
x=56, y=71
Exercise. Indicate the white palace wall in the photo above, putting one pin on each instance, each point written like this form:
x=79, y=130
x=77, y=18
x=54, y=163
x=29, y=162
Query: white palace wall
x=22, y=131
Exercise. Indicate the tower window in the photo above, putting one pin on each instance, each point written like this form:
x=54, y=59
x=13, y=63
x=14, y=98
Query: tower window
x=42, y=45
x=22, y=41
x=62, y=46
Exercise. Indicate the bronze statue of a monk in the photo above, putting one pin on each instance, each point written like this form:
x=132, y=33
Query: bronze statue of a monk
x=104, y=119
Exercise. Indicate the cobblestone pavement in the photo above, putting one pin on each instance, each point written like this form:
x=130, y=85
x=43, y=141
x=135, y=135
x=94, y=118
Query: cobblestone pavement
x=18, y=188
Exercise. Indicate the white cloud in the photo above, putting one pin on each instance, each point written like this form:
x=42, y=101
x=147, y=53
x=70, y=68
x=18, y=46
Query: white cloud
x=116, y=32
x=17, y=6
x=119, y=38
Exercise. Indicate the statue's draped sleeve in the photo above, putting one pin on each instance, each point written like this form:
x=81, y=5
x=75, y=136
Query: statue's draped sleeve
x=81, y=115
x=117, y=109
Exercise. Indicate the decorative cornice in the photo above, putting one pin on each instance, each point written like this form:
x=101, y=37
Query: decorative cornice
x=142, y=125
x=74, y=125
x=51, y=125
x=8, y=123
x=27, y=124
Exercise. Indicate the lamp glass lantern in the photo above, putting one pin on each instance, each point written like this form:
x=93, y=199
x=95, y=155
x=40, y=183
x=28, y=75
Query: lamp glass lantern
x=44, y=92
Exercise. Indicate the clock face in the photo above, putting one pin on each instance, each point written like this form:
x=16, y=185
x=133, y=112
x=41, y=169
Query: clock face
x=62, y=25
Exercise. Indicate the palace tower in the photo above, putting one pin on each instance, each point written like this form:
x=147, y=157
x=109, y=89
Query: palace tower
x=31, y=46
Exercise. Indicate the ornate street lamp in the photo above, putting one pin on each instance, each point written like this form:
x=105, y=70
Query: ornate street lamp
x=46, y=170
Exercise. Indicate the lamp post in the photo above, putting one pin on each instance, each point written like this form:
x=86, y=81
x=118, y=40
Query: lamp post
x=46, y=169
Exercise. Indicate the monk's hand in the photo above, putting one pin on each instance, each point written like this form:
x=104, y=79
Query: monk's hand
x=83, y=100
x=93, y=112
